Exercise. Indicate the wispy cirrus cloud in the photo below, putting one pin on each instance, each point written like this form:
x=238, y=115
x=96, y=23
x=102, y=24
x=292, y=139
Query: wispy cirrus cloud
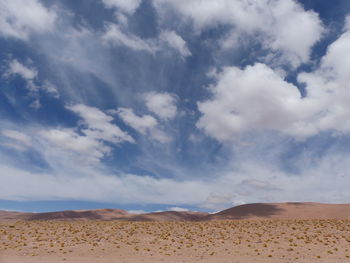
x=33, y=84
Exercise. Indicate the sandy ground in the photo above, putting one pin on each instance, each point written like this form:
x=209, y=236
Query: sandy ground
x=304, y=241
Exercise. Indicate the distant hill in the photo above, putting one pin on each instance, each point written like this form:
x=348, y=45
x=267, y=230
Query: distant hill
x=104, y=214
x=285, y=211
x=242, y=212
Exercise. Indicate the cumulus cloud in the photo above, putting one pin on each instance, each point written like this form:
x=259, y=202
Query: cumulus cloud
x=162, y=104
x=270, y=22
x=89, y=150
x=257, y=99
x=175, y=41
x=20, y=18
x=145, y=124
x=127, y=6
x=242, y=101
x=91, y=141
x=26, y=72
x=139, y=123
x=253, y=99
x=329, y=86
x=99, y=125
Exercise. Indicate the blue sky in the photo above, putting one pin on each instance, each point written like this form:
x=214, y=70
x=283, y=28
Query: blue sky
x=189, y=104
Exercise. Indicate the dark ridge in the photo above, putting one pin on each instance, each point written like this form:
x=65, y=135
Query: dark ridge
x=243, y=211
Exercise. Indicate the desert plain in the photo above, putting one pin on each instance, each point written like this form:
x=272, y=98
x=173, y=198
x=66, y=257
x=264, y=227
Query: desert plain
x=253, y=234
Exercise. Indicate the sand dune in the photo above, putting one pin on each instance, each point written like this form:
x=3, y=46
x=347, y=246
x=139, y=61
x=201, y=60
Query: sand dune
x=248, y=211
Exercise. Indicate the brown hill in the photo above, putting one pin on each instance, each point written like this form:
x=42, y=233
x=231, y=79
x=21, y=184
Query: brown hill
x=103, y=214
x=9, y=215
x=285, y=211
x=98, y=214
x=248, y=211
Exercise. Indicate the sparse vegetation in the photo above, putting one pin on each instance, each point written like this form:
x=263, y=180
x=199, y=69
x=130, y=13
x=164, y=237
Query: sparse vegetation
x=273, y=239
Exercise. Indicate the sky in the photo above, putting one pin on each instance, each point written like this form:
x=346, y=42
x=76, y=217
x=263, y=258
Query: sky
x=150, y=105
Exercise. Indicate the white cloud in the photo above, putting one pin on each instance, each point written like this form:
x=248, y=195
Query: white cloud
x=49, y=88
x=329, y=86
x=89, y=149
x=253, y=99
x=175, y=41
x=99, y=125
x=250, y=100
x=90, y=142
x=249, y=180
x=273, y=23
x=17, y=136
x=33, y=85
x=27, y=73
x=177, y=209
x=258, y=99
x=161, y=104
x=115, y=36
x=139, y=123
x=89, y=184
x=20, y=18
x=127, y=6
x=145, y=124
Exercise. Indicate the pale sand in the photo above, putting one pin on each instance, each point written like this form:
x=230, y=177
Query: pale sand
x=282, y=241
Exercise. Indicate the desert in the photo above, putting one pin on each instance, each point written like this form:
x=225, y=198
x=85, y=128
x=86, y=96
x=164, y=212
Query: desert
x=291, y=232
x=174, y=131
